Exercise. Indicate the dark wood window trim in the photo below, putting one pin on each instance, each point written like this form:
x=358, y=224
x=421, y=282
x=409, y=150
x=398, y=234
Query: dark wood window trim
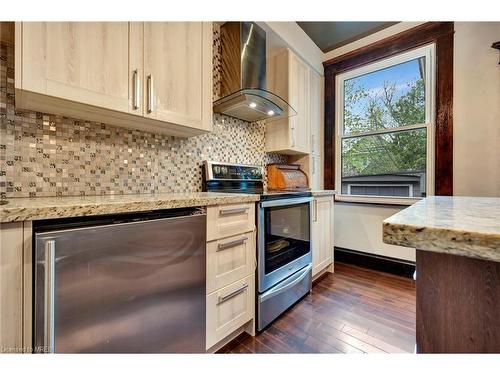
x=440, y=33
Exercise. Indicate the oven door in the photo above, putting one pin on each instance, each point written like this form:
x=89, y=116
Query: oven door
x=284, y=239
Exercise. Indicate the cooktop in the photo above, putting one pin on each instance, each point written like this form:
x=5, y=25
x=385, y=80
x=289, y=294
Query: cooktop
x=242, y=178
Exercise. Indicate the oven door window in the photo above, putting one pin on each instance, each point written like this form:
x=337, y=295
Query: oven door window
x=286, y=234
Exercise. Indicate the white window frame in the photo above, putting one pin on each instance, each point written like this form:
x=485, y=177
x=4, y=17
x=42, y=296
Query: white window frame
x=427, y=51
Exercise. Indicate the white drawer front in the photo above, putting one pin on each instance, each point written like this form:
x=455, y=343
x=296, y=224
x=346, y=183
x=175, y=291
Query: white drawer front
x=229, y=220
x=229, y=260
x=229, y=308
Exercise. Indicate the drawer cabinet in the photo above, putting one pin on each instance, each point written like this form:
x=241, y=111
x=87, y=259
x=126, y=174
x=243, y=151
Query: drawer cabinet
x=231, y=263
x=229, y=308
x=229, y=260
x=229, y=220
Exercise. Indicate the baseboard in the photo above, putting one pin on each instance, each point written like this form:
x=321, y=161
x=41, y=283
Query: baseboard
x=375, y=262
x=321, y=274
x=247, y=329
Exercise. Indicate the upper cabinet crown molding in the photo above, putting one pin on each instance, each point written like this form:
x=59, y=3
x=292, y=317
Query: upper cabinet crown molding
x=153, y=76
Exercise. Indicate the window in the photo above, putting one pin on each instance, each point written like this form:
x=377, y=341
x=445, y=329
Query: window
x=384, y=143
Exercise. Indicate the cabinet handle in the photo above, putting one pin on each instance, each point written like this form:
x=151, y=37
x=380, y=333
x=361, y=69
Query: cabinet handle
x=233, y=211
x=293, y=136
x=315, y=211
x=49, y=300
x=150, y=93
x=313, y=143
x=228, y=245
x=233, y=294
x=314, y=165
x=136, y=89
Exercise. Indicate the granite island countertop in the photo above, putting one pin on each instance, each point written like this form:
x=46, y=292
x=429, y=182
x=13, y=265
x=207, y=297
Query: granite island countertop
x=22, y=209
x=466, y=226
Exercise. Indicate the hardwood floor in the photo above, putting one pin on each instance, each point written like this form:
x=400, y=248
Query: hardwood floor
x=354, y=310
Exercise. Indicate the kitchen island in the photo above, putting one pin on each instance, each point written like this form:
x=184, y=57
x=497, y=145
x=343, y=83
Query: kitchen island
x=458, y=271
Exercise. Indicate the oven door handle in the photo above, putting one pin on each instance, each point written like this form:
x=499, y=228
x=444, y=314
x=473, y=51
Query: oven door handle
x=285, y=202
x=292, y=281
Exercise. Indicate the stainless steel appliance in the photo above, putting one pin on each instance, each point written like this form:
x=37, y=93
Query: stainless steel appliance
x=121, y=284
x=284, y=272
x=243, y=87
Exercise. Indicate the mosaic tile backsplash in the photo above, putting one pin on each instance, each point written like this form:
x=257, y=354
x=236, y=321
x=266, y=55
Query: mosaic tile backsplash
x=49, y=155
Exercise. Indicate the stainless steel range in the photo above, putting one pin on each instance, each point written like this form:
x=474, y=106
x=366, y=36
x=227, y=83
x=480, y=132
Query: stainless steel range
x=284, y=267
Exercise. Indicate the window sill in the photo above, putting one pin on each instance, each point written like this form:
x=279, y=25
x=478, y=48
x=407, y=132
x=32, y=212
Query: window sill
x=393, y=201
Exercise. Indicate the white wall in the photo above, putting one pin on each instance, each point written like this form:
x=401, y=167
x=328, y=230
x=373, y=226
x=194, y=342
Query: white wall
x=359, y=227
x=476, y=109
x=476, y=134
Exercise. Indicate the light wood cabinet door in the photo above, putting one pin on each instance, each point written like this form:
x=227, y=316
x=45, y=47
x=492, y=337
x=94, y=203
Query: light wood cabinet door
x=178, y=72
x=299, y=100
x=316, y=111
x=85, y=62
x=229, y=308
x=322, y=233
x=289, y=77
x=11, y=287
x=315, y=172
x=229, y=260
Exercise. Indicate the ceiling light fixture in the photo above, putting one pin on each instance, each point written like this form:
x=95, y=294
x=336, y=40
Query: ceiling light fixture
x=270, y=113
x=252, y=105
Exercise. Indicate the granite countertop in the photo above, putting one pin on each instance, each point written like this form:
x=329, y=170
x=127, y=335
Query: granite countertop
x=320, y=193
x=465, y=226
x=21, y=209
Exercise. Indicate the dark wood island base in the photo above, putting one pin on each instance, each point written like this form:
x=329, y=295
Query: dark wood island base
x=458, y=304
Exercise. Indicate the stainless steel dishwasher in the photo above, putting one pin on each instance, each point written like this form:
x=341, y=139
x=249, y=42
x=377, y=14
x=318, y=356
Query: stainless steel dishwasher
x=122, y=284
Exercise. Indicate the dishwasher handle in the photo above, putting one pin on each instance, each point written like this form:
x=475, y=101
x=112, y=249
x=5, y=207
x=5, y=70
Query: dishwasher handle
x=49, y=297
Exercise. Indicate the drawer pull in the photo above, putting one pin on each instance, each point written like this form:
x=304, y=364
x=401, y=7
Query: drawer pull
x=233, y=211
x=228, y=245
x=233, y=294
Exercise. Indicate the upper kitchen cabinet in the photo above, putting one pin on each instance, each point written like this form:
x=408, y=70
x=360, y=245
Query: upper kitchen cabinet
x=316, y=113
x=289, y=77
x=178, y=68
x=86, y=62
x=149, y=76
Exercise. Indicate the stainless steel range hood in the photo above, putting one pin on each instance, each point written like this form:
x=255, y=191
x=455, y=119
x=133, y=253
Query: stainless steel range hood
x=243, y=89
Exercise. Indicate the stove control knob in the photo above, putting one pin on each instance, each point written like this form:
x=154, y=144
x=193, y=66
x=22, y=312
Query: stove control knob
x=223, y=170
